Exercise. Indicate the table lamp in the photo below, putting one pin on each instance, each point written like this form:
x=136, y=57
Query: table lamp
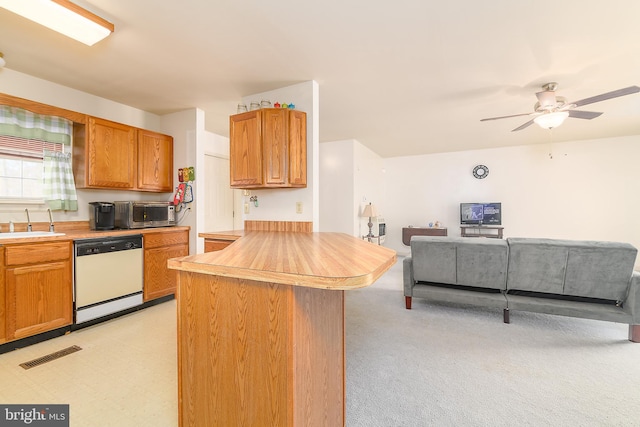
x=370, y=211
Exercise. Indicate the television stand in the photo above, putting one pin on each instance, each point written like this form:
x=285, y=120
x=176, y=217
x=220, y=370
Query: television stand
x=481, y=231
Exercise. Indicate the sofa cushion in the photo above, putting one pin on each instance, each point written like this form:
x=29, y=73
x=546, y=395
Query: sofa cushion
x=567, y=267
x=461, y=261
x=599, y=269
x=537, y=265
x=482, y=263
x=434, y=259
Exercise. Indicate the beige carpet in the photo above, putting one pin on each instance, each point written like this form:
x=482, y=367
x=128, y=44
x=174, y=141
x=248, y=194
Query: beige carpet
x=455, y=365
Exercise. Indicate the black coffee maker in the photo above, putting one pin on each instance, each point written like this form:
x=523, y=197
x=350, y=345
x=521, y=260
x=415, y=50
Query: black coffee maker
x=102, y=215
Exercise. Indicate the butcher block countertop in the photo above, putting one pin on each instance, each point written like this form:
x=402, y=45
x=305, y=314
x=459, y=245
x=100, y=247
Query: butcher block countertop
x=317, y=260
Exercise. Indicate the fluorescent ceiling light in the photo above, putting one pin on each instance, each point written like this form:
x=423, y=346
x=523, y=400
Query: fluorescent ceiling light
x=551, y=120
x=64, y=17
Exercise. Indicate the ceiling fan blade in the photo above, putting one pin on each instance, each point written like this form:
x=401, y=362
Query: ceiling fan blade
x=529, y=123
x=604, y=96
x=505, y=117
x=584, y=114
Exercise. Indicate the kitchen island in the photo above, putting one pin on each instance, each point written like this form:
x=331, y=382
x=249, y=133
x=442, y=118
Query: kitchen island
x=261, y=331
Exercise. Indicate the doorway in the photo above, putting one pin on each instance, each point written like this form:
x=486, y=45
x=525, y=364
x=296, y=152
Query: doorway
x=220, y=200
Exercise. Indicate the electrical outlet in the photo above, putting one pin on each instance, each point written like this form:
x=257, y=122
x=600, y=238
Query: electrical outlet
x=246, y=208
x=299, y=207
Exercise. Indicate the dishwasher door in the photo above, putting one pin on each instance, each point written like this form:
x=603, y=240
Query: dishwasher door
x=108, y=278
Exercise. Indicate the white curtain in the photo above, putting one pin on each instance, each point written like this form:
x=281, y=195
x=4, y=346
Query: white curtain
x=59, y=186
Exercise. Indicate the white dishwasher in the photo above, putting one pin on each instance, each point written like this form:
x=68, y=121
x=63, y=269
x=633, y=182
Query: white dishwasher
x=108, y=276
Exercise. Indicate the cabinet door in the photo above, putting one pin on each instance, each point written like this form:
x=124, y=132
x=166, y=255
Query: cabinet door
x=3, y=294
x=111, y=154
x=274, y=145
x=297, y=149
x=155, y=161
x=38, y=298
x=245, y=145
x=159, y=280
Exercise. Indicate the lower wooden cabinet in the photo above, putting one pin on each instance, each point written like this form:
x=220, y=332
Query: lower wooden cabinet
x=158, y=249
x=212, y=245
x=37, y=288
x=3, y=299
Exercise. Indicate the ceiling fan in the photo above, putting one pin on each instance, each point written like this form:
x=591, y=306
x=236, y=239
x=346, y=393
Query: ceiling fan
x=550, y=111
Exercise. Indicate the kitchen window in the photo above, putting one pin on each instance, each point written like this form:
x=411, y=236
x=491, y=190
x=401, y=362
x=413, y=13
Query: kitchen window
x=21, y=168
x=33, y=165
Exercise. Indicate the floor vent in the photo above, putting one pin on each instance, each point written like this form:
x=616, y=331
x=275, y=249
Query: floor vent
x=49, y=357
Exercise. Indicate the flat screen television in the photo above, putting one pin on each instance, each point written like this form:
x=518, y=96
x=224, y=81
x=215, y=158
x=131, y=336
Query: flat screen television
x=480, y=213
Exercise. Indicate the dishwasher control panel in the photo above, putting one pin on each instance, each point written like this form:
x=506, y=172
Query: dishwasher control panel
x=106, y=245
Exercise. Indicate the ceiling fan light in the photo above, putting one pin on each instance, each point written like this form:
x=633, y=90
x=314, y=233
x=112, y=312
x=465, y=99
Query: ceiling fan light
x=551, y=120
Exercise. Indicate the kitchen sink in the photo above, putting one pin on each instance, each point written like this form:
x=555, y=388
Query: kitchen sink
x=26, y=234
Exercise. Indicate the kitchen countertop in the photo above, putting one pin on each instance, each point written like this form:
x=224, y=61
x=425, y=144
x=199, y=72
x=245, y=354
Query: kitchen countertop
x=78, y=231
x=318, y=260
x=231, y=235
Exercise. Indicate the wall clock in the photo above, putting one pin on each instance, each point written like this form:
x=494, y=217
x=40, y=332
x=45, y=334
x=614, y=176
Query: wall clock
x=480, y=171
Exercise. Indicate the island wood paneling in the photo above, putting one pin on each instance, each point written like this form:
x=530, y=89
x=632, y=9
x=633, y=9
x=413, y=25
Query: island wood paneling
x=296, y=226
x=259, y=354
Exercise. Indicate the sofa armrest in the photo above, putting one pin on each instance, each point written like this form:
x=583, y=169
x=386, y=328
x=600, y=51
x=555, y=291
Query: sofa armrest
x=632, y=303
x=407, y=272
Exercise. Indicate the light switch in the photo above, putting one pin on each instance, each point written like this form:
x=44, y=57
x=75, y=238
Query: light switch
x=299, y=207
x=246, y=208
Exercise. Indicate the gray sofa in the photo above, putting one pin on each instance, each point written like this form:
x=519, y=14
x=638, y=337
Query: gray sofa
x=587, y=279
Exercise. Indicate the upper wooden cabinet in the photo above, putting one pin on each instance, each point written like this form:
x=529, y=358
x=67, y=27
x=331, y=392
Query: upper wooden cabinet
x=155, y=161
x=268, y=148
x=104, y=155
x=115, y=156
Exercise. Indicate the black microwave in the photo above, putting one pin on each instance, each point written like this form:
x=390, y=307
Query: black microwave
x=144, y=214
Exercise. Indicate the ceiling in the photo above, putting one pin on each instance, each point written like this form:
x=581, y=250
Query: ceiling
x=408, y=78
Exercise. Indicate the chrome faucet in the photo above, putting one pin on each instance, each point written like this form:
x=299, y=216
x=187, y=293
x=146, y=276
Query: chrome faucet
x=51, y=228
x=28, y=220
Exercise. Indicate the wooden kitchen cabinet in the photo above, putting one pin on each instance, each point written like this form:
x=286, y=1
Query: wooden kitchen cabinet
x=3, y=300
x=38, y=288
x=297, y=148
x=245, y=146
x=212, y=245
x=115, y=156
x=104, y=155
x=268, y=149
x=155, y=161
x=158, y=249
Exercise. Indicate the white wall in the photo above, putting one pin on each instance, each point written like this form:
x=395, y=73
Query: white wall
x=280, y=204
x=185, y=127
x=34, y=89
x=43, y=91
x=338, y=211
x=579, y=190
x=352, y=177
